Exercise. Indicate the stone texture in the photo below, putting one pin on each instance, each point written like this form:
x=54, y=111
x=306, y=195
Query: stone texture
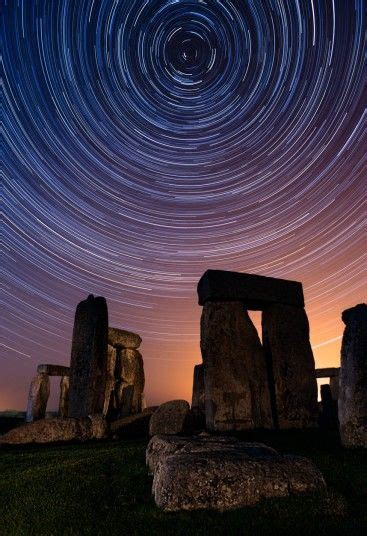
x=254, y=291
x=64, y=397
x=38, y=396
x=170, y=418
x=53, y=370
x=126, y=339
x=291, y=365
x=88, y=358
x=133, y=426
x=227, y=477
x=56, y=430
x=130, y=371
x=236, y=384
x=162, y=446
x=124, y=398
x=353, y=378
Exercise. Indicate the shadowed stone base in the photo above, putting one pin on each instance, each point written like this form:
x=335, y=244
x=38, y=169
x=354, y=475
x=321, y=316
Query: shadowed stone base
x=290, y=358
x=353, y=378
x=236, y=385
x=222, y=476
x=38, y=396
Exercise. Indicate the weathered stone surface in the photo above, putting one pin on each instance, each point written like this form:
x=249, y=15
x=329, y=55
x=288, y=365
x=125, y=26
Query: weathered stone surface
x=353, y=378
x=53, y=370
x=198, y=394
x=133, y=426
x=254, y=291
x=170, y=418
x=64, y=397
x=130, y=371
x=291, y=364
x=121, y=337
x=162, y=446
x=227, y=478
x=38, y=396
x=124, y=397
x=88, y=358
x=236, y=383
x=55, y=430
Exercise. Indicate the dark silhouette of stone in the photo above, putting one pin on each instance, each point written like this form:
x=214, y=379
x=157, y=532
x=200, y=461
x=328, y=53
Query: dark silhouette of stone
x=333, y=374
x=236, y=384
x=254, y=291
x=56, y=430
x=64, y=397
x=334, y=387
x=198, y=395
x=329, y=409
x=109, y=400
x=353, y=378
x=38, y=396
x=223, y=477
x=170, y=418
x=291, y=364
x=53, y=370
x=123, y=338
x=88, y=358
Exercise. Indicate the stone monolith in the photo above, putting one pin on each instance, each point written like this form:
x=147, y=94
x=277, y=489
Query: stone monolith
x=198, y=394
x=236, y=391
x=64, y=396
x=291, y=366
x=88, y=358
x=130, y=370
x=352, y=404
x=38, y=396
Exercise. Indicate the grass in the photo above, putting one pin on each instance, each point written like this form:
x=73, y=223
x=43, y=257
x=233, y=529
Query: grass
x=103, y=488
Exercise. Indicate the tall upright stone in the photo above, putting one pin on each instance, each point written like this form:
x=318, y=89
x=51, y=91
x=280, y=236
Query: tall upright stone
x=109, y=402
x=236, y=394
x=132, y=372
x=88, y=358
x=291, y=365
x=198, y=391
x=64, y=397
x=352, y=404
x=38, y=396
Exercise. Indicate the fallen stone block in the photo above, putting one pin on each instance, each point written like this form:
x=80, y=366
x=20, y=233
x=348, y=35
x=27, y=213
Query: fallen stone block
x=170, y=418
x=228, y=478
x=132, y=426
x=57, y=430
x=254, y=291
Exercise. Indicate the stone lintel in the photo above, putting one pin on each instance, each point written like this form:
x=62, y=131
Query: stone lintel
x=330, y=372
x=53, y=370
x=255, y=291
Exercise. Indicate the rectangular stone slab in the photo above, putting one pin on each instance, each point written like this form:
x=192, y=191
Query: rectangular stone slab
x=255, y=291
x=327, y=372
x=226, y=479
x=53, y=370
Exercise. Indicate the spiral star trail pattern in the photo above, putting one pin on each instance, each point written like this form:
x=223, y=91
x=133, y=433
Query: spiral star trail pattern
x=148, y=140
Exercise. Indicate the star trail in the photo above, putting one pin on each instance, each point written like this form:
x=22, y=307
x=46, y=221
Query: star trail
x=148, y=140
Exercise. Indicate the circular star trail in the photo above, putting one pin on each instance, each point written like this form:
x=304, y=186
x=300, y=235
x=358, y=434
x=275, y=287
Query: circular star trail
x=149, y=140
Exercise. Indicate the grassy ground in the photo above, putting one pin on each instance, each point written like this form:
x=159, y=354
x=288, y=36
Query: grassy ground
x=103, y=488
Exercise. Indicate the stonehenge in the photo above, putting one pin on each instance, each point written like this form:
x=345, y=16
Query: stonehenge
x=249, y=384
x=352, y=402
x=106, y=373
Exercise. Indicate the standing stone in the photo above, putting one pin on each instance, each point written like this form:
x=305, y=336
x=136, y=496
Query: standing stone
x=329, y=413
x=334, y=387
x=64, y=397
x=352, y=405
x=132, y=373
x=88, y=358
x=198, y=391
x=38, y=396
x=236, y=392
x=291, y=366
x=109, y=401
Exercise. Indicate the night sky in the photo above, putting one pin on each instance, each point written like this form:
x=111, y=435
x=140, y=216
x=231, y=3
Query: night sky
x=149, y=140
